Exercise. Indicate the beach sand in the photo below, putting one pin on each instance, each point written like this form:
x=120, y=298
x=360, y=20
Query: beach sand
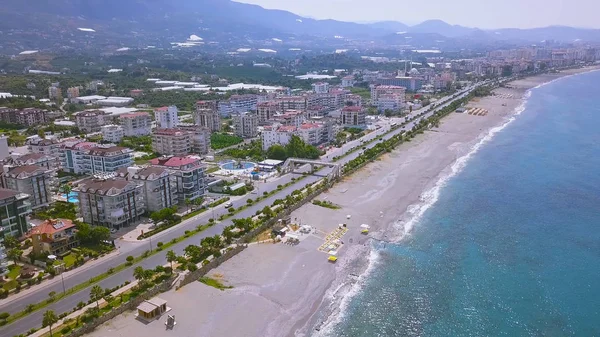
x=282, y=290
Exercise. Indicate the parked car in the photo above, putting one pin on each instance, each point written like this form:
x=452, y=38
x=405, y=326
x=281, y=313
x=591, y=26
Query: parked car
x=228, y=204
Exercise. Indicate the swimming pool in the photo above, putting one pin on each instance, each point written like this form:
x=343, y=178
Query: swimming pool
x=72, y=197
x=240, y=165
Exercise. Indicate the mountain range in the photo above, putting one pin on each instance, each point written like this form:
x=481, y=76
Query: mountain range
x=38, y=24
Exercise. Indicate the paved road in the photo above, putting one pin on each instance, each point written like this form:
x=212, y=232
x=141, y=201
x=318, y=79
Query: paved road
x=135, y=249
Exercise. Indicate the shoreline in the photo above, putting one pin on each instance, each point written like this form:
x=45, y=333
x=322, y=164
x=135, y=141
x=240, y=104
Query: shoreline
x=282, y=290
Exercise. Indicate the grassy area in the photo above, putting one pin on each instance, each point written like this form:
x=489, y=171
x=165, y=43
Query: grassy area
x=213, y=169
x=221, y=140
x=214, y=283
x=70, y=260
x=12, y=284
x=14, y=271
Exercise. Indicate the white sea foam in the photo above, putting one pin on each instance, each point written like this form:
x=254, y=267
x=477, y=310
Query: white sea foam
x=343, y=298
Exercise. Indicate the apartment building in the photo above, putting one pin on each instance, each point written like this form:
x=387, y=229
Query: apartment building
x=208, y=105
x=109, y=158
x=207, y=118
x=136, y=124
x=49, y=147
x=266, y=111
x=276, y=134
x=354, y=116
x=36, y=181
x=246, y=124
x=348, y=81
x=189, y=175
x=74, y=156
x=73, y=92
x=166, y=117
x=385, y=93
x=159, y=185
x=410, y=83
x=238, y=104
x=352, y=100
x=171, y=142
x=320, y=87
x=25, y=117
x=39, y=159
x=290, y=118
x=91, y=121
x=89, y=158
x=110, y=202
x=291, y=103
x=327, y=101
x=199, y=138
x=15, y=207
x=53, y=237
x=54, y=93
x=112, y=133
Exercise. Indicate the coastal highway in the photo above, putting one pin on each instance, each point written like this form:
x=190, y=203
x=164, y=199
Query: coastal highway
x=68, y=303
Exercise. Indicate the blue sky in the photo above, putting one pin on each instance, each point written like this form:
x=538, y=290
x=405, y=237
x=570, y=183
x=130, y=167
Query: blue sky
x=471, y=13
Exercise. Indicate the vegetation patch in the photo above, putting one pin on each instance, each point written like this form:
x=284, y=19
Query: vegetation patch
x=214, y=283
x=222, y=140
x=326, y=204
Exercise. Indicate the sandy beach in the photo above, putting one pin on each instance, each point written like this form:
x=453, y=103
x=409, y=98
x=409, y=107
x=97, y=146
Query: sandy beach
x=283, y=290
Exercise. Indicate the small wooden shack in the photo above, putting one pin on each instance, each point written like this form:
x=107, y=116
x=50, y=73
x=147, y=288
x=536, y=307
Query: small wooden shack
x=151, y=309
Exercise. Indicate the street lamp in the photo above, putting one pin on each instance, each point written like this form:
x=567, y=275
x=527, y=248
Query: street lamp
x=60, y=268
x=150, y=243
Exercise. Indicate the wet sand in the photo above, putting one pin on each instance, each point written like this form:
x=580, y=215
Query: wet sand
x=282, y=290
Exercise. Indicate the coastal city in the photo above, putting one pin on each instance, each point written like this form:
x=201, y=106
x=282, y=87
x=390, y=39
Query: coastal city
x=131, y=193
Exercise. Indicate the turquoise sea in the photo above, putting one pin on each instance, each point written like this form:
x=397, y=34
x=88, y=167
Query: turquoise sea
x=512, y=245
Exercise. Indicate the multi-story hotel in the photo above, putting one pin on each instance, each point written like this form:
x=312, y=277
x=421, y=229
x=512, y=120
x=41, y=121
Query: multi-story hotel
x=159, y=185
x=354, y=116
x=136, y=124
x=25, y=117
x=113, y=203
x=91, y=121
x=50, y=147
x=245, y=124
x=266, y=111
x=112, y=133
x=189, y=173
x=292, y=103
x=237, y=104
x=166, y=117
x=39, y=159
x=207, y=115
x=14, y=209
x=90, y=158
x=36, y=181
x=171, y=142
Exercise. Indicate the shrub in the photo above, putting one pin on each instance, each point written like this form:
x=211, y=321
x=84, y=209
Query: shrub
x=130, y=259
x=65, y=330
x=279, y=187
x=168, y=270
x=2, y=322
x=211, y=220
x=110, y=270
x=159, y=244
x=192, y=267
x=4, y=315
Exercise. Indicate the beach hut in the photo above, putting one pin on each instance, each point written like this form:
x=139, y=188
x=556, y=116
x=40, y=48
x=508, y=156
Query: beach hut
x=152, y=308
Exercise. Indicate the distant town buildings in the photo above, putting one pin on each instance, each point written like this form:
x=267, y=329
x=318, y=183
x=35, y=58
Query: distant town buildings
x=388, y=97
x=159, y=185
x=91, y=120
x=73, y=92
x=181, y=141
x=266, y=111
x=348, y=81
x=49, y=147
x=54, y=93
x=238, y=104
x=24, y=117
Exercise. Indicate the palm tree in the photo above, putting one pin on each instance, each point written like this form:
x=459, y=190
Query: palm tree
x=171, y=257
x=187, y=203
x=66, y=189
x=96, y=294
x=49, y=320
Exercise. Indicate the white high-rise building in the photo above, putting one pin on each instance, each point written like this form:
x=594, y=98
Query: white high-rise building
x=320, y=87
x=166, y=117
x=246, y=124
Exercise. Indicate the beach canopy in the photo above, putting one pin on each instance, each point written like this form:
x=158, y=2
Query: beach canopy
x=332, y=252
x=365, y=226
x=348, y=216
x=52, y=257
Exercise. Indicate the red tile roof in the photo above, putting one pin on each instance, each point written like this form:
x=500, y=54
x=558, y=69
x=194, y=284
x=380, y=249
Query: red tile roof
x=173, y=161
x=50, y=227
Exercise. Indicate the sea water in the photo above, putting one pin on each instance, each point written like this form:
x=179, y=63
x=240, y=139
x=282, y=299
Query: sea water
x=511, y=246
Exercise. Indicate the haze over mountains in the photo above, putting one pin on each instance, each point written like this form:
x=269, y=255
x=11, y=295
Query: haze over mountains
x=44, y=24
